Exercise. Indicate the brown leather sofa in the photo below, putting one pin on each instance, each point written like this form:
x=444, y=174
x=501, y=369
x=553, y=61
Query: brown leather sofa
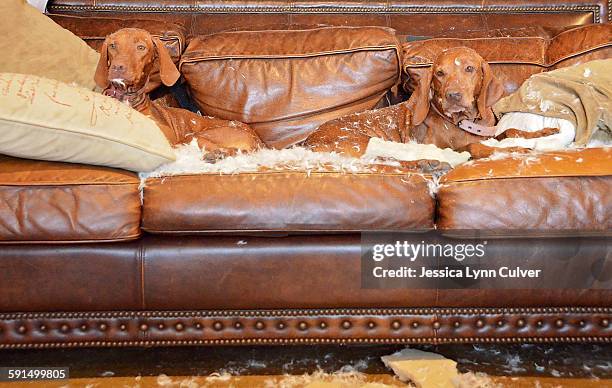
x=275, y=257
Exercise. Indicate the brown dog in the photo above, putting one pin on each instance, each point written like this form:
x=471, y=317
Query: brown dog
x=458, y=86
x=127, y=61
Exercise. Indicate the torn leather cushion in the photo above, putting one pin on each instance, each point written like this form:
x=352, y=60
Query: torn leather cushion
x=554, y=193
x=48, y=202
x=287, y=202
x=286, y=83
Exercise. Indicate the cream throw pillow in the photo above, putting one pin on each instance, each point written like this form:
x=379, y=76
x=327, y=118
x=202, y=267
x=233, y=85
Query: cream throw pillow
x=32, y=43
x=50, y=120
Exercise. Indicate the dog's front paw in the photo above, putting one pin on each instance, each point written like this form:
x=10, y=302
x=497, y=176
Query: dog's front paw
x=517, y=133
x=479, y=151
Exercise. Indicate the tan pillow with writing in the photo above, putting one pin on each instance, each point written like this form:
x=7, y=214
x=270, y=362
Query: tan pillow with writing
x=50, y=120
x=32, y=43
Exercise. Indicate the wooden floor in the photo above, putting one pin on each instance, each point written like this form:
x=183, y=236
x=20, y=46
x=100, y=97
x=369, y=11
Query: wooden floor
x=278, y=381
x=518, y=366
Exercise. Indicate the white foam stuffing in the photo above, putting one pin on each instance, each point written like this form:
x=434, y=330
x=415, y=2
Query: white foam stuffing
x=414, y=151
x=189, y=161
x=347, y=377
x=433, y=185
x=531, y=122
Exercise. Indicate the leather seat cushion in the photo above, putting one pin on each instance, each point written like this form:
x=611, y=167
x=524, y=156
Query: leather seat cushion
x=556, y=192
x=286, y=202
x=49, y=202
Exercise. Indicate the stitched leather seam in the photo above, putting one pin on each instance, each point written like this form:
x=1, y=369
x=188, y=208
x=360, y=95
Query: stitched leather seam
x=141, y=262
x=84, y=241
x=574, y=54
x=442, y=311
x=64, y=184
x=505, y=178
x=497, y=62
x=187, y=58
x=275, y=174
x=271, y=230
x=595, y=9
x=324, y=340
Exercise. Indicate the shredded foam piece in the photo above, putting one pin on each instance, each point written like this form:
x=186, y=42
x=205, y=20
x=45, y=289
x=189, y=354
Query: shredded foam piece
x=423, y=369
x=432, y=370
x=433, y=185
x=475, y=380
x=378, y=148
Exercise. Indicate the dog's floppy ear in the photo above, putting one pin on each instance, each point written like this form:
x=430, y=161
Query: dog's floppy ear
x=420, y=84
x=490, y=92
x=168, y=72
x=101, y=76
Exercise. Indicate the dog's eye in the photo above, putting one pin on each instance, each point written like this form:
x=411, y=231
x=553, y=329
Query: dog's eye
x=470, y=69
x=141, y=47
x=112, y=46
x=440, y=73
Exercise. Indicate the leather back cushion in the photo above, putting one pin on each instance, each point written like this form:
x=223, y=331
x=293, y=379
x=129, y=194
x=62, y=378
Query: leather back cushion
x=286, y=83
x=514, y=59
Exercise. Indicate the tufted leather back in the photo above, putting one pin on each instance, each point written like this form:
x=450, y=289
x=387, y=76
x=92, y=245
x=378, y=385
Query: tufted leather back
x=408, y=17
x=514, y=59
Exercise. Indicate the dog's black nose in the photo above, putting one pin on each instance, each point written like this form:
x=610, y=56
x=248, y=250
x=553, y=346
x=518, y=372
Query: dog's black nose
x=454, y=96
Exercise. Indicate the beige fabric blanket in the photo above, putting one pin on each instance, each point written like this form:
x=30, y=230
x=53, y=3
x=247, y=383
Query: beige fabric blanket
x=581, y=94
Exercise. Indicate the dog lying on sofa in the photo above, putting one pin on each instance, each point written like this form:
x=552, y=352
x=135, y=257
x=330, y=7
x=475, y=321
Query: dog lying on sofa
x=127, y=59
x=450, y=105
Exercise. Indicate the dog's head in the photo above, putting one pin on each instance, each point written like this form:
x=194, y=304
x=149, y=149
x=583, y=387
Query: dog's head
x=459, y=84
x=127, y=59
